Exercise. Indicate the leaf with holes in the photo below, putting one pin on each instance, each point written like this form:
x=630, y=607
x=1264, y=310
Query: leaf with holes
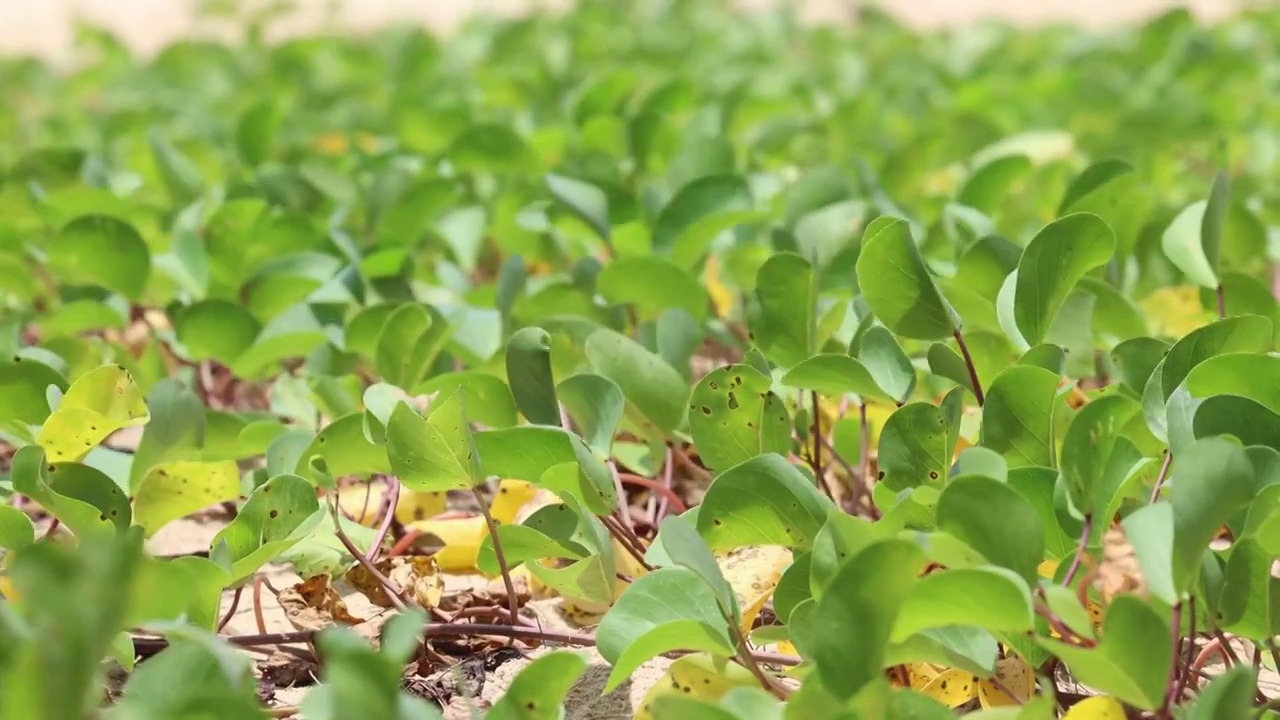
x=437, y=452
x=174, y=490
x=763, y=501
x=277, y=515
x=99, y=403
x=734, y=416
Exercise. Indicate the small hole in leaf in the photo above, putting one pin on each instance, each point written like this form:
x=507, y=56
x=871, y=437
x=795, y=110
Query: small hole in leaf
x=275, y=514
x=733, y=401
x=717, y=522
x=880, y=475
x=933, y=474
x=706, y=410
x=713, y=385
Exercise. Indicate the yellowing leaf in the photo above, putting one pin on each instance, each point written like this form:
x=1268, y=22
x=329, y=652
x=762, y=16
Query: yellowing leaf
x=101, y=402
x=362, y=502
x=753, y=573
x=512, y=495
x=1048, y=568
x=585, y=612
x=722, y=298
x=700, y=676
x=952, y=688
x=1100, y=707
x=919, y=675
x=177, y=489
x=461, y=538
x=1016, y=676
x=1173, y=311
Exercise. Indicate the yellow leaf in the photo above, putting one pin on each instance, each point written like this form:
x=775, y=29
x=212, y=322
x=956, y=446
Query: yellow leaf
x=1047, y=569
x=512, y=495
x=919, y=675
x=1096, y=708
x=177, y=489
x=1174, y=311
x=753, y=574
x=362, y=502
x=99, y=403
x=1016, y=676
x=461, y=538
x=952, y=688
x=699, y=676
x=722, y=298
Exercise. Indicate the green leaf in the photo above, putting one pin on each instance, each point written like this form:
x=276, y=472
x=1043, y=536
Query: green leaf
x=1017, y=419
x=1192, y=242
x=591, y=578
x=1229, y=695
x=1243, y=334
x=652, y=387
x=995, y=520
x=652, y=284
x=277, y=515
x=1209, y=482
x=1249, y=375
x=101, y=250
x=1242, y=418
x=697, y=213
x=216, y=329
x=412, y=337
x=492, y=148
x=763, y=501
x=256, y=131
x=174, y=490
x=989, y=184
x=413, y=213
x=990, y=598
x=16, y=530
x=897, y=284
x=84, y=499
x=915, y=446
x=177, y=430
x=1247, y=592
x=529, y=372
x=195, y=675
x=492, y=404
x=24, y=383
x=887, y=363
x=863, y=600
x=1053, y=262
x=734, y=416
x=539, y=691
x=531, y=453
x=669, y=609
x=99, y=403
x=1088, y=443
x=785, y=324
x=434, y=453
x=685, y=548
x=1132, y=660
x=1136, y=358
x=583, y=199
x=340, y=449
x=833, y=375
x=596, y=405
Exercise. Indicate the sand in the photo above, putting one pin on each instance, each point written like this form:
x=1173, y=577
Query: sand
x=45, y=27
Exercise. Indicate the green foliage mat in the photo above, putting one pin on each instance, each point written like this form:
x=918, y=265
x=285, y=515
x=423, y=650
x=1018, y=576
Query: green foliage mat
x=889, y=374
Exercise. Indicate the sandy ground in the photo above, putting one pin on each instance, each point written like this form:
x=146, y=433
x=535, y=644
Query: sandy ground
x=45, y=26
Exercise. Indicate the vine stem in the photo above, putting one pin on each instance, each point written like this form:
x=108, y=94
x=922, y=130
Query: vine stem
x=968, y=362
x=749, y=662
x=1075, y=561
x=1170, y=695
x=815, y=462
x=1164, y=474
x=394, y=593
x=393, y=500
x=660, y=489
x=231, y=611
x=513, y=602
x=435, y=630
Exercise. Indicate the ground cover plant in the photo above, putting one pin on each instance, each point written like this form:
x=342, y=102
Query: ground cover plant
x=866, y=373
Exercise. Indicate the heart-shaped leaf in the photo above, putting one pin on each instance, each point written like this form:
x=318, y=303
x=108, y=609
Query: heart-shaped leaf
x=734, y=416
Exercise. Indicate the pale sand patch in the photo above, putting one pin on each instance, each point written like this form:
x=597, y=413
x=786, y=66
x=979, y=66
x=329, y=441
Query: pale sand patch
x=45, y=27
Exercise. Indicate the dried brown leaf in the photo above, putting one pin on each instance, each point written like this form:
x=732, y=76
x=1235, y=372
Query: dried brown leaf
x=313, y=605
x=418, y=576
